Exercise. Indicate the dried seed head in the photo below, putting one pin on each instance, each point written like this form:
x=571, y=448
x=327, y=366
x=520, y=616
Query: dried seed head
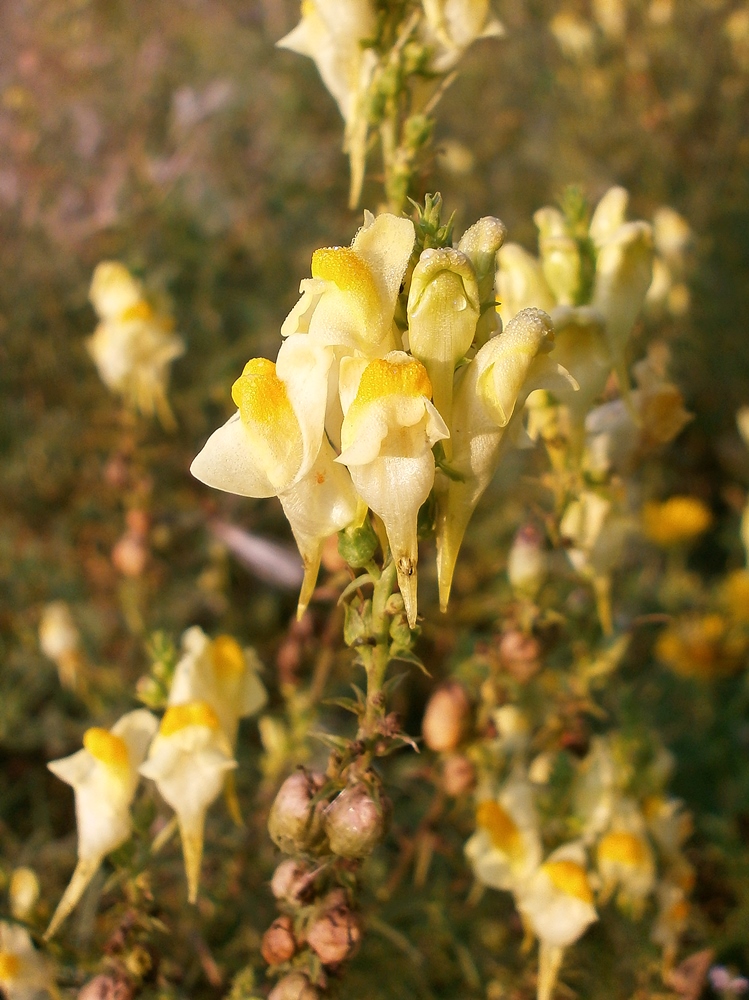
x=278, y=943
x=295, y=986
x=291, y=880
x=354, y=823
x=458, y=774
x=335, y=936
x=294, y=825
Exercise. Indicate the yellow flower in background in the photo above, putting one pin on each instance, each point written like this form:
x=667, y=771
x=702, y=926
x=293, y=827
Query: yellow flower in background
x=506, y=847
x=132, y=347
x=104, y=776
x=453, y=25
x=678, y=519
x=275, y=445
x=60, y=640
x=556, y=903
x=189, y=760
x=218, y=671
x=703, y=647
x=735, y=595
x=626, y=860
x=25, y=974
x=332, y=33
x=389, y=428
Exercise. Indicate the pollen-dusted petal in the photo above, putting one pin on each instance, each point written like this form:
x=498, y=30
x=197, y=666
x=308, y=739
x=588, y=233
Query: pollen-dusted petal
x=10, y=966
x=261, y=396
x=624, y=848
x=227, y=657
x=570, y=878
x=109, y=749
x=500, y=826
x=347, y=271
x=388, y=378
x=194, y=713
x=137, y=311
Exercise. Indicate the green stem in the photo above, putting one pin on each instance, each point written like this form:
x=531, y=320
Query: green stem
x=377, y=656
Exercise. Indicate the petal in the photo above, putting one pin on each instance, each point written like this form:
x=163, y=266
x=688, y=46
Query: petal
x=226, y=463
x=610, y=214
x=520, y=283
x=137, y=729
x=385, y=243
x=303, y=367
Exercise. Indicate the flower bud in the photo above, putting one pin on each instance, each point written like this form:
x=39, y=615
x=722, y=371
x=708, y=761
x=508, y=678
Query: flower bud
x=480, y=244
x=520, y=283
x=335, y=936
x=355, y=822
x=130, y=555
x=560, y=256
x=443, y=309
x=293, y=824
x=295, y=986
x=526, y=562
x=446, y=718
x=291, y=880
x=520, y=654
x=458, y=775
x=278, y=943
x=23, y=892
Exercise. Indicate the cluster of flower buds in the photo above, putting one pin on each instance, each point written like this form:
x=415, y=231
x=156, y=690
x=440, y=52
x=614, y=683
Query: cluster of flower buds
x=188, y=755
x=132, y=346
x=390, y=358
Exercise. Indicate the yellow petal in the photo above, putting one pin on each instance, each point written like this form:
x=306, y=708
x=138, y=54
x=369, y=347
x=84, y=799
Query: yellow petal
x=108, y=749
x=570, y=878
x=194, y=713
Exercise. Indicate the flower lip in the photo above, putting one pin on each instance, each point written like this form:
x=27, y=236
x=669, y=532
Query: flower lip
x=108, y=748
x=570, y=878
x=193, y=713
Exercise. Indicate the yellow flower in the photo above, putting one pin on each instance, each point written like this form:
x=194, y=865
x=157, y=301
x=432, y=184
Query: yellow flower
x=104, y=776
x=24, y=972
x=132, y=347
x=557, y=901
x=453, y=25
x=221, y=673
x=332, y=33
x=388, y=431
x=702, y=647
x=625, y=859
x=506, y=847
x=678, y=519
x=188, y=760
x=275, y=445
x=487, y=412
x=735, y=595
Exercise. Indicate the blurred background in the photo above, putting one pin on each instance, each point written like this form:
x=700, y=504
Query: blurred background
x=170, y=135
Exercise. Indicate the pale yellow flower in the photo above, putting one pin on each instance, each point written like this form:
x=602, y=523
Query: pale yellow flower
x=189, y=760
x=625, y=859
x=104, y=776
x=132, y=346
x=389, y=428
x=506, y=847
x=676, y=520
x=453, y=25
x=24, y=973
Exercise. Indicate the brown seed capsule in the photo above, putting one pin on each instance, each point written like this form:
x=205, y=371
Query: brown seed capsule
x=335, y=936
x=291, y=880
x=520, y=654
x=355, y=823
x=446, y=717
x=106, y=988
x=278, y=941
x=294, y=825
x=295, y=986
x=458, y=774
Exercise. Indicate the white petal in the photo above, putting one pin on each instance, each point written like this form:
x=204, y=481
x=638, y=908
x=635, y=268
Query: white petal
x=225, y=463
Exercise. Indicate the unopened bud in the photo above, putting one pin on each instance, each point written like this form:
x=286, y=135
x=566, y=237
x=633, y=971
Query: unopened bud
x=295, y=986
x=560, y=255
x=520, y=654
x=106, y=988
x=355, y=823
x=335, y=936
x=291, y=880
x=294, y=824
x=446, y=717
x=458, y=775
x=23, y=892
x=58, y=635
x=526, y=562
x=278, y=943
x=130, y=555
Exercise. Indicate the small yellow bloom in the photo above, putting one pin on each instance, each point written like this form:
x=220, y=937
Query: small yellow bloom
x=189, y=760
x=506, y=847
x=702, y=647
x=24, y=973
x=132, y=347
x=557, y=901
x=678, y=519
x=104, y=776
